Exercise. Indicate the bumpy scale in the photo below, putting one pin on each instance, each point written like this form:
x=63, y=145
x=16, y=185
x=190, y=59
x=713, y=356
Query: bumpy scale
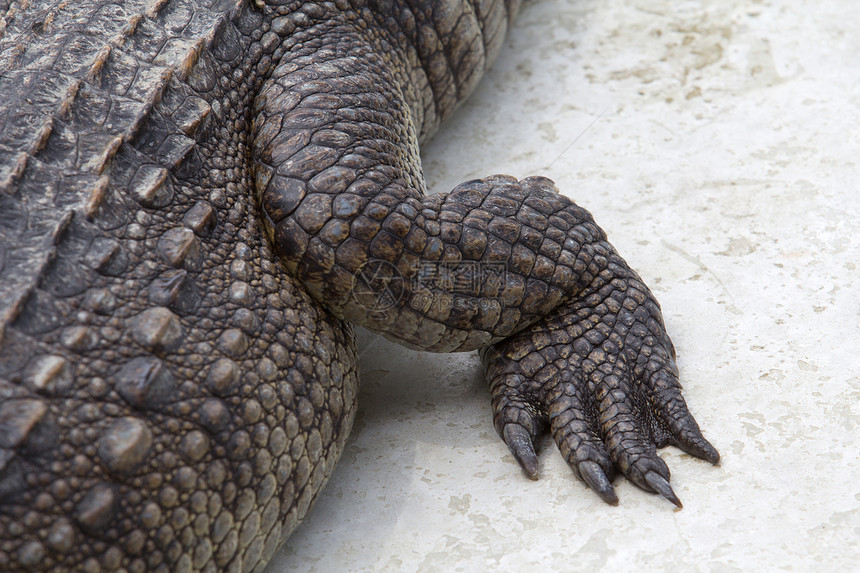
x=196, y=197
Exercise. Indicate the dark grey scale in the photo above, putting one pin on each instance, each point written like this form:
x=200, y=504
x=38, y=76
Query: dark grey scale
x=167, y=150
x=157, y=329
x=194, y=200
x=145, y=383
x=176, y=290
x=201, y=218
x=64, y=276
x=180, y=248
x=49, y=375
x=97, y=508
x=125, y=445
x=148, y=184
x=41, y=313
x=29, y=430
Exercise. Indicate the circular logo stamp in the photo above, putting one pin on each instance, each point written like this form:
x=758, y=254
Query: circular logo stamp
x=379, y=286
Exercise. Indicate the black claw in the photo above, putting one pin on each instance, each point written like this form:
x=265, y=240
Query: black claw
x=708, y=452
x=701, y=448
x=660, y=485
x=704, y=450
x=520, y=443
x=596, y=479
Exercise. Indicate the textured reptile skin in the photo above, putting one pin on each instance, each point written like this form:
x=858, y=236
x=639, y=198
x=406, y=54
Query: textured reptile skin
x=197, y=198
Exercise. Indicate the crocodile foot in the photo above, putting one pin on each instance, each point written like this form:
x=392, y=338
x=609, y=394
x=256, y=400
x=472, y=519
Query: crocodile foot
x=600, y=373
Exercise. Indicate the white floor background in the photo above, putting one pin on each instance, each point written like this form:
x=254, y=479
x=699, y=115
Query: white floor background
x=716, y=142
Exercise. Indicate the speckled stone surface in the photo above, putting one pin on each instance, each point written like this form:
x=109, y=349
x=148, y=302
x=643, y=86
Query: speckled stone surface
x=716, y=142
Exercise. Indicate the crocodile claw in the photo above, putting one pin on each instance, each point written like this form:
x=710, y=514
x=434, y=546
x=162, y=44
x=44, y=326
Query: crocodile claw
x=596, y=479
x=661, y=485
x=520, y=443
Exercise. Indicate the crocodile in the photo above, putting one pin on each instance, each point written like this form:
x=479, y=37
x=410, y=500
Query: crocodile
x=200, y=201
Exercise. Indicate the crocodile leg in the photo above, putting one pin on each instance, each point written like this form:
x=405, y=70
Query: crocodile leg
x=342, y=200
x=572, y=336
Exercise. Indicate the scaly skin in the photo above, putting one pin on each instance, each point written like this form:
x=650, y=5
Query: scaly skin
x=196, y=201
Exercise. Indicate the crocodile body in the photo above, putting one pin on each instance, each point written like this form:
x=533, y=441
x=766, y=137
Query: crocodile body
x=198, y=198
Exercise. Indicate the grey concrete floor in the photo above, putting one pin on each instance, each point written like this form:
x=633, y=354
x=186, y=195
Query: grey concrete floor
x=716, y=142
